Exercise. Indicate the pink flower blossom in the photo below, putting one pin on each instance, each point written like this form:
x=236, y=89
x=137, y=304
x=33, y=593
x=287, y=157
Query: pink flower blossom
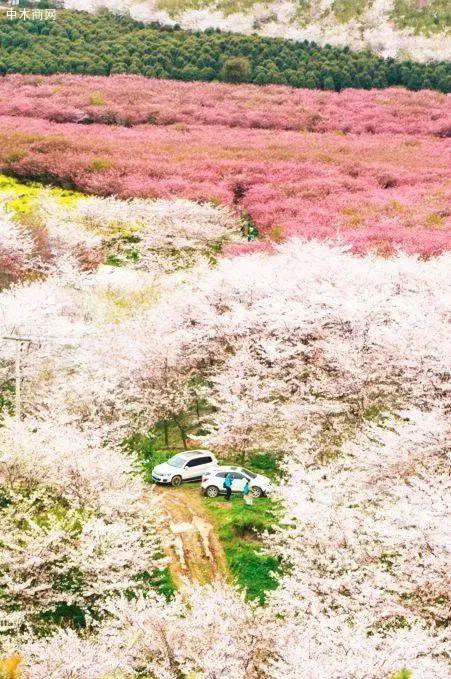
x=379, y=186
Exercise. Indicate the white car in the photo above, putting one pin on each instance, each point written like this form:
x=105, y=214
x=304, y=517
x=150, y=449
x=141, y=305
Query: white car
x=186, y=466
x=213, y=481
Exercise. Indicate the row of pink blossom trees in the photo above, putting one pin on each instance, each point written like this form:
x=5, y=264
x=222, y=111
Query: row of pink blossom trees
x=374, y=173
x=134, y=100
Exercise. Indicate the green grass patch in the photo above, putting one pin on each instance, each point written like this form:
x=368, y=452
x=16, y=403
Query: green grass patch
x=177, y=7
x=402, y=674
x=433, y=17
x=144, y=448
x=96, y=99
x=265, y=463
x=98, y=165
x=240, y=529
x=159, y=579
x=345, y=10
x=7, y=393
x=163, y=582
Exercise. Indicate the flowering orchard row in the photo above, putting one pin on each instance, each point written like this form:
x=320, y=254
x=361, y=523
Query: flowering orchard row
x=375, y=191
x=134, y=100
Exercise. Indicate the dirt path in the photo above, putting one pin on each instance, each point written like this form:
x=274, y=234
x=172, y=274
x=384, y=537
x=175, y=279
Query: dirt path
x=188, y=536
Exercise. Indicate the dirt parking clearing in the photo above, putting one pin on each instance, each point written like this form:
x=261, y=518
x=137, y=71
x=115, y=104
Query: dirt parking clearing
x=188, y=536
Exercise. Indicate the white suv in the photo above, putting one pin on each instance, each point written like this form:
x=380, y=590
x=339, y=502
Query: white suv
x=186, y=466
x=213, y=481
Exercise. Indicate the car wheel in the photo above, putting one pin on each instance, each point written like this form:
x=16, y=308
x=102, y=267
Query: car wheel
x=176, y=480
x=256, y=491
x=212, y=491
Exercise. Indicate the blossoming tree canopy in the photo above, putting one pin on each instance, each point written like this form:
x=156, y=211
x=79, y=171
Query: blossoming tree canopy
x=367, y=167
x=333, y=361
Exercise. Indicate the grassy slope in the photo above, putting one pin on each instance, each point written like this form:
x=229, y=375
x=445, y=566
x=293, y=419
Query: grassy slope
x=433, y=17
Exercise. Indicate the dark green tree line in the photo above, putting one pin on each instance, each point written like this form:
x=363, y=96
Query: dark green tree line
x=102, y=44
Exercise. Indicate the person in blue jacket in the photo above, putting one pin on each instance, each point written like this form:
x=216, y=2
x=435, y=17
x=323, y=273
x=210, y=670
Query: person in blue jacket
x=228, y=485
x=247, y=497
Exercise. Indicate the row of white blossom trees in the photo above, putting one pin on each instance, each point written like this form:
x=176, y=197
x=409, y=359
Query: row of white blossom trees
x=156, y=235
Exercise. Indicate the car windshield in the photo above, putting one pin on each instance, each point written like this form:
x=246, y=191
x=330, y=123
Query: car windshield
x=250, y=474
x=177, y=461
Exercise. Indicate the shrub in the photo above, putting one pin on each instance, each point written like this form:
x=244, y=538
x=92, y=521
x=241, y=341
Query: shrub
x=96, y=99
x=236, y=70
x=98, y=165
x=402, y=674
x=13, y=157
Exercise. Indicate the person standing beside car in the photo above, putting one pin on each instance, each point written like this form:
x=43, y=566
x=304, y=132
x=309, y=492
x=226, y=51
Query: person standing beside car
x=228, y=485
x=247, y=497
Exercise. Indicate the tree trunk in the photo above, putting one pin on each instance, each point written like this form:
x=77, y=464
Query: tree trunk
x=166, y=434
x=182, y=432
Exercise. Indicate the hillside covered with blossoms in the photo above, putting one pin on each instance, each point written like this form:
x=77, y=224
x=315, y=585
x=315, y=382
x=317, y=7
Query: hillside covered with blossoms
x=259, y=271
x=405, y=29
x=368, y=168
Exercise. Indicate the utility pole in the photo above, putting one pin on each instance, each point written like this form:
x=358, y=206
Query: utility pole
x=17, y=371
